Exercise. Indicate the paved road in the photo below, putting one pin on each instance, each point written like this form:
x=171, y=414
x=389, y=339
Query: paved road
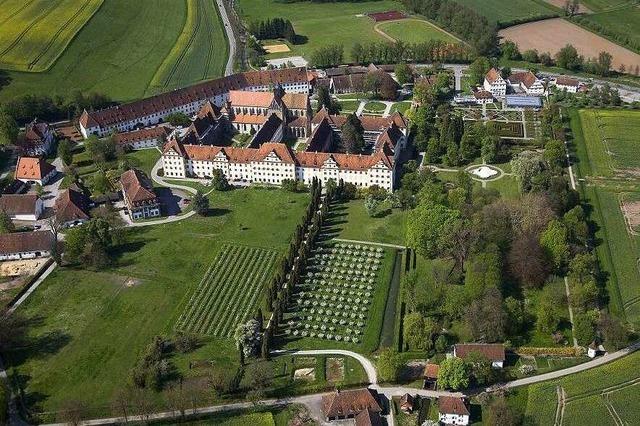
x=232, y=40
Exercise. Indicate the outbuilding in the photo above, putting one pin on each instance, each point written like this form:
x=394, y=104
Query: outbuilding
x=25, y=245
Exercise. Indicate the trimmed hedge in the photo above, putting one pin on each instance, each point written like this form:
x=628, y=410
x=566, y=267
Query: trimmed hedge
x=568, y=351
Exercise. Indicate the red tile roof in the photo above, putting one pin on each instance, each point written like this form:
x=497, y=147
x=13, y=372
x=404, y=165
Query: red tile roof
x=160, y=133
x=493, y=75
x=36, y=131
x=431, y=371
x=32, y=168
x=21, y=242
x=368, y=418
x=526, y=77
x=452, y=405
x=72, y=205
x=567, y=81
x=136, y=187
x=15, y=204
x=349, y=403
x=493, y=351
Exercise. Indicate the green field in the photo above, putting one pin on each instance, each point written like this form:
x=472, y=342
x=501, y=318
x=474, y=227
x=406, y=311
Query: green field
x=599, y=5
x=504, y=12
x=34, y=33
x=414, y=31
x=90, y=327
x=388, y=227
x=121, y=49
x=622, y=21
x=585, y=402
x=319, y=23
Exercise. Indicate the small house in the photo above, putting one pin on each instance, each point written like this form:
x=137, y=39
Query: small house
x=138, y=195
x=34, y=170
x=406, y=403
x=37, y=140
x=22, y=207
x=494, y=352
x=26, y=245
x=571, y=85
x=494, y=83
x=349, y=403
x=431, y=376
x=453, y=410
x=72, y=208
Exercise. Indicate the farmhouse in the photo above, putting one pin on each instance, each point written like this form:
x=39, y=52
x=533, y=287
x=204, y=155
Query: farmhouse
x=25, y=245
x=37, y=140
x=431, y=376
x=483, y=97
x=569, y=84
x=453, y=410
x=526, y=82
x=72, y=208
x=143, y=138
x=494, y=352
x=494, y=83
x=349, y=403
x=34, y=170
x=367, y=417
x=138, y=195
x=27, y=207
x=406, y=403
x=189, y=100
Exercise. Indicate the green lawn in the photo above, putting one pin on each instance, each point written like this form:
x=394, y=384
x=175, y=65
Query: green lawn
x=583, y=390
x=387, y=227
x=90, y=328
x=118, y=52
x=144, y=159
x=34, y=33
x=321, y=24
x=600, y=5
x=503, y=12
x=349, y=106
x=377, y=107
x=623, y=22
x=415, y=31
x=401, y=107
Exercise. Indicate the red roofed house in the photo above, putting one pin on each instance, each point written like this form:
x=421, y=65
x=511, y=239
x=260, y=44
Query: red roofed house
x=143, y=138
x=138, y=195
x=493, y=351
x=494, y=83
x=569, y=84
x=72, y=208
x=349, y=403
x=431, y=375
x=37, y=139
x=453, y=410
x=25, y=245
x=27, y=207
x=527, y=82
x=34, y=170
x=369, y=418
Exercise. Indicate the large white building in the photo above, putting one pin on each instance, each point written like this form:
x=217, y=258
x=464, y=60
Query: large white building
x=494, y=83
x=526, y=82
x=189, y=100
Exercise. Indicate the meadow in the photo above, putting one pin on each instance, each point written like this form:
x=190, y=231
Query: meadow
x=600, y=5
x=505, y=12
x=89, y=328
x=621, y=22
x=319, y=24
x=414, y=31
x=120, y=50
x=588, y=394
x=34, y=33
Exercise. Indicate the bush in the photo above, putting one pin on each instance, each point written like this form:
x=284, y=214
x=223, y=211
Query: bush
x=185, y=342
x=569, y=351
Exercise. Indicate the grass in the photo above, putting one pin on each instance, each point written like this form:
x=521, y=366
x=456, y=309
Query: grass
x=349, y=106
x=504, y=12
x=623, y=22
x=415, y=31
x=318, y=25
x=583, y=390
x=199, y=53
x=144, y=159
x=387, y=227
x=377, y=107
x=118, y=53
x=89, y=328
x=401, y=107
x=600, y=5
x=34, y=34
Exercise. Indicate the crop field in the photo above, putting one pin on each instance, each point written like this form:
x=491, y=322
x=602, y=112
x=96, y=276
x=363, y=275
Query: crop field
x=544, y=36
x=89, y=328
x=504, y=12
x=599, y=5
x=199, y=53
x=34, y=33
x=120, y=50
x=623, y=22
x=607, y=393
x=319, y=24
x=228, y=292
x=333, y=299
x=414, y=31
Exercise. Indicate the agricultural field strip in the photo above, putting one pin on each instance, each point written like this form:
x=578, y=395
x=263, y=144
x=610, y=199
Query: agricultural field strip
x=207, y=311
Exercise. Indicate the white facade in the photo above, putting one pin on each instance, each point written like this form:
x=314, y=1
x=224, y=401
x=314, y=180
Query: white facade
x=569, y=88
x=143, y=212
x=25, y=255
x=31, y=216
x=497, y=88
x=537, y=88
x=454, y=419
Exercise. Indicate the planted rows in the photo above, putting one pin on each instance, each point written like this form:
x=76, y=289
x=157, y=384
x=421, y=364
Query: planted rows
x=228, y=291
x=335, y=292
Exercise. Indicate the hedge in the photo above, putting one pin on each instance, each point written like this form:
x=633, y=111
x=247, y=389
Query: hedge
x=566, y=351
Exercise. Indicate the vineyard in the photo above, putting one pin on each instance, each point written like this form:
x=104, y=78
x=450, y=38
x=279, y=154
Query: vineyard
x=228, y=292
x=335, y=294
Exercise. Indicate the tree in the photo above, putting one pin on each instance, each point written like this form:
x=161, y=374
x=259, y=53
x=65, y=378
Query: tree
x=219, y=181
x=554, y=153
x=418, y=331
x=603, y=65
x=259, y=375
x=613, y=331
x=548, y=319
x=527, y=261
x=554, y=242
x=8, y=129
x=100, y=150
x=352, y=135
x=64, y=152
x=200, y=203
x=325, y=101
x=510, y=51
x=430, y=228
x=526, y=166
x=248, y=337
x=453, y=374
x=478, y=69
x=568, y=58
x=90, y=244
x=584, y=324
x=480, y=368
x=490, y=146
x=389, y=365
x=371, y=204
x=530, y=55
x=6, y=224
x=72, y=412
x=500, y=413
x=486, y=317
x=178, y=119
x=404, y=74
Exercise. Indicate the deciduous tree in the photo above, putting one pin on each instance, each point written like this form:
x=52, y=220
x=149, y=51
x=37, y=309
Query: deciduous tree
x=453, y=374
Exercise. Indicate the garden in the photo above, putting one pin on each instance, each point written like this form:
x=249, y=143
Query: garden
x=229, y=291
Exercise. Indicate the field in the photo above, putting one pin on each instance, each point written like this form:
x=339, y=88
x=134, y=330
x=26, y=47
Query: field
x=119, y=51
x=319, y=25
x=504, y=12
x=228, y=292
x=89, y=328
x=34, y=33
x=414, y=31
x=544, y=35
x=624, y=22
x=600, y=393
x=199, y=53
x=599, y=5
x=606, y=188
